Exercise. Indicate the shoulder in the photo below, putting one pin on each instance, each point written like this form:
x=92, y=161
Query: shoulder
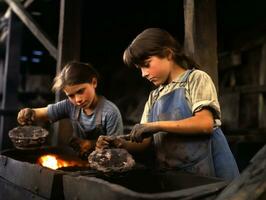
x=198, y=73
x=109, y=107
x=62, y=103
x=60, y=109
x=199, y=76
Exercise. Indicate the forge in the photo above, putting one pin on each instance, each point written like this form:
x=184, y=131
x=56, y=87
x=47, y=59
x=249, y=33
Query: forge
x=21, y=177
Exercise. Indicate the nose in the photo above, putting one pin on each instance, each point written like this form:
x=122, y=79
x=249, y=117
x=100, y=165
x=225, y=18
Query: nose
x=78, y=99
x=144, y=72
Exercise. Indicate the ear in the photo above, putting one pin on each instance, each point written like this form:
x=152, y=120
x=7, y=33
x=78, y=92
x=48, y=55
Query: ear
x=169, y=54
x=94, y=82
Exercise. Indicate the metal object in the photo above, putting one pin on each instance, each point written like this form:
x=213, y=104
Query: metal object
x=28, y=137
x=21, y=179
x=111, y=160
x=125, y=137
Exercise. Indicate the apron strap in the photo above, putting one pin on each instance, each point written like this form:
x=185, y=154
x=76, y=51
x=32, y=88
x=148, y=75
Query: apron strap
x=98, y=111
x=98, y=117
x=185, y=78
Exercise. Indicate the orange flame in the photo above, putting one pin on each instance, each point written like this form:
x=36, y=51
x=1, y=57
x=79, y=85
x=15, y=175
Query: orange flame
x=54, y=162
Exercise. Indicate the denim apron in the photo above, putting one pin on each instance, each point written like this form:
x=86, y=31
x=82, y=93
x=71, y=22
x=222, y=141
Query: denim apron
x=93, y=134
x=189, y=153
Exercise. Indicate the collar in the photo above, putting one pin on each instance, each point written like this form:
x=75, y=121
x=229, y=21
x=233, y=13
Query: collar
x=179, y=78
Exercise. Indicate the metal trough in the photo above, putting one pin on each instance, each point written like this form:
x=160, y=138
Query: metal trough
x=21, y=178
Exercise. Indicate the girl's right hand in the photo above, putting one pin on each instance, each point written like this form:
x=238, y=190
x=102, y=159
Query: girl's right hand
x=26, y=116
x=141, y=131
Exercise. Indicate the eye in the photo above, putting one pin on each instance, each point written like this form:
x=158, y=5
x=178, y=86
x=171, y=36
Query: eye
x=146, y=63
x=81, y=91
x=71, y=96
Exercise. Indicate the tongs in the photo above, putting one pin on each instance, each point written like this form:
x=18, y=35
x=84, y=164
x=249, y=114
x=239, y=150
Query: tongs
x=125, y=137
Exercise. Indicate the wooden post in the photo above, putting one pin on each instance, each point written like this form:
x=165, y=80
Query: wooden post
x=68, y=49
x=10, y=79
x=200, y=34
x=261, y=97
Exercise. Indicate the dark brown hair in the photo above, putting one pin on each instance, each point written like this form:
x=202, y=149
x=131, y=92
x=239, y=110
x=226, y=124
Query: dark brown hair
x=156, y=42
x=74, y=73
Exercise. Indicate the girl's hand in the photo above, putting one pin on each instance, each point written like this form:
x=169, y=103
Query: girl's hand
x=26, y=116
x=107, y=142
x=142, y=131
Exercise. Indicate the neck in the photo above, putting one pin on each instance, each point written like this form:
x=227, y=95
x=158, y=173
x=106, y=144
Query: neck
x=92, y=107
x=176, y=71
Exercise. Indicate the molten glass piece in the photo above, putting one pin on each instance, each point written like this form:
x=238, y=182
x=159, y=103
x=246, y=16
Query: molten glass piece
x=53, y=161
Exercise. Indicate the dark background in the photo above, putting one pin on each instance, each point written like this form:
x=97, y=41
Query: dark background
x=109, y=26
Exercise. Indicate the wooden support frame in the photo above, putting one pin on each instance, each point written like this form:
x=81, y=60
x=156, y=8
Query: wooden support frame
x=201, y=34
x=33, y=26
x=26, y=4
x=262, y=77
x=10, y=79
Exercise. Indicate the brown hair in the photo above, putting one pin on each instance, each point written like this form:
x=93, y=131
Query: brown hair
x=156, y=42
x=74, y=73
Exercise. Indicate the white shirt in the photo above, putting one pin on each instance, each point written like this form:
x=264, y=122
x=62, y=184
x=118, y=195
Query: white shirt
x=200, y=92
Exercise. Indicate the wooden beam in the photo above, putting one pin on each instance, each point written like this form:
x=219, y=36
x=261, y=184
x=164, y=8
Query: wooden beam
x=262, y=81
x=201, y=34
x=32, y=25
x=69, y=32
x=10, y=79
x=68, y=49
x=26, y=4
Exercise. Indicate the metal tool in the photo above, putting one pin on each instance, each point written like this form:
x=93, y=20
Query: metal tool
x=125, y=137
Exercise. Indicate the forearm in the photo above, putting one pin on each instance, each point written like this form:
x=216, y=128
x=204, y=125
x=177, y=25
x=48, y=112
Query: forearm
x=41, y=114
x=200, y=123
x=134, y=147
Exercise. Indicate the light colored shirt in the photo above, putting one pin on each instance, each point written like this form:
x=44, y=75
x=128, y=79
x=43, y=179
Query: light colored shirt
x=200, y=93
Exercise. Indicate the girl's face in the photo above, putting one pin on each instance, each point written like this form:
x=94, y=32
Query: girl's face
x=157, y=70
x=82, y=94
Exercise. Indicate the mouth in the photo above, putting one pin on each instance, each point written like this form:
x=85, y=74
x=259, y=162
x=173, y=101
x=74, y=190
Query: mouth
x=151, y=79
x=83, y=105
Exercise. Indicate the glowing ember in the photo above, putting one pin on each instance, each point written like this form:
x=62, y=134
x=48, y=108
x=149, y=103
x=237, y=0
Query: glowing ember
x=54, y=162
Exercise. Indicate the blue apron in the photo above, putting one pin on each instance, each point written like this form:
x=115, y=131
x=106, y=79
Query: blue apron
x=93, y=134
x=207, y=155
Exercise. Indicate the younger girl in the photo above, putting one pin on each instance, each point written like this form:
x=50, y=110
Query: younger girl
x=91, y=115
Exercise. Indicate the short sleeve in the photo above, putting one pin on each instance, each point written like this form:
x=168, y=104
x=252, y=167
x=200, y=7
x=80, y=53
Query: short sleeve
x=59, y=110
x=114, y=124
x=112, y=119
x=203, y=93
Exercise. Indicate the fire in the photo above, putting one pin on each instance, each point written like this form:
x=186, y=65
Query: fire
x=54, y=162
